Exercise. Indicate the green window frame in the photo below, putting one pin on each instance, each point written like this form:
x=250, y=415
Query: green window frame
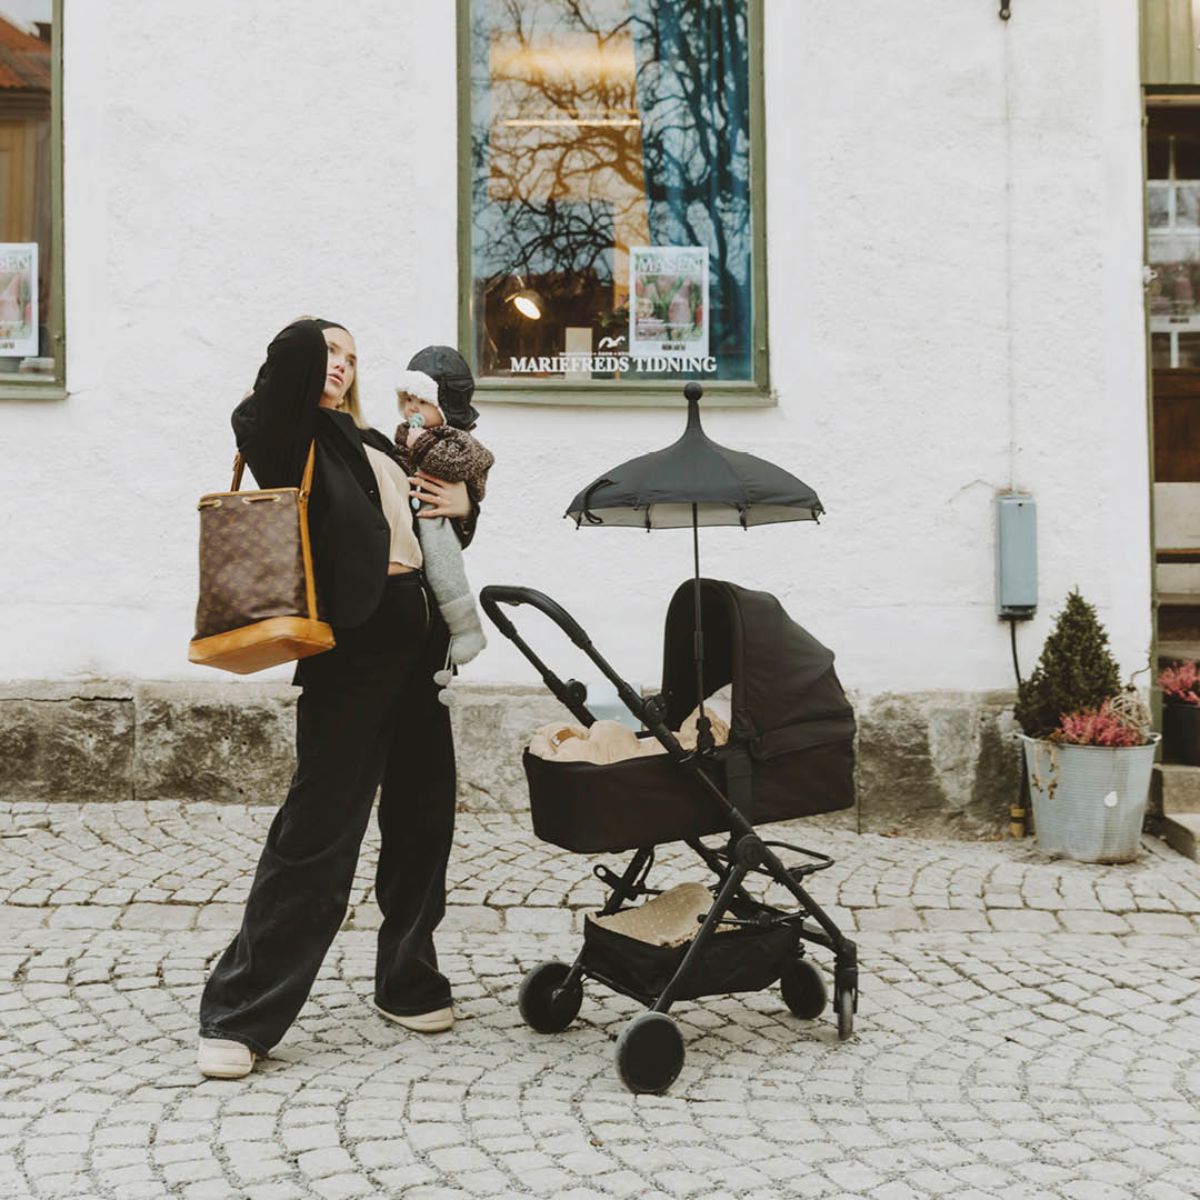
x=752, y=392
x=44, y=387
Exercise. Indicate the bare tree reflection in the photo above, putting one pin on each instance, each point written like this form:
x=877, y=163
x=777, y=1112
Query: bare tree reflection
x=600, y=124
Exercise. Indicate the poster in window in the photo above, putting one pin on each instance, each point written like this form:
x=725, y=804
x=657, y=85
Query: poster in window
x=18, y=299
x=668, y=313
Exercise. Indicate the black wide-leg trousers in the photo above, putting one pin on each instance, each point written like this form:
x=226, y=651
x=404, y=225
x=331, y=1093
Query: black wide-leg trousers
x=367, y=718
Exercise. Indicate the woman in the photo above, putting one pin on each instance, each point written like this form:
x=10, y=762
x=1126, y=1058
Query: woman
x=367, y=716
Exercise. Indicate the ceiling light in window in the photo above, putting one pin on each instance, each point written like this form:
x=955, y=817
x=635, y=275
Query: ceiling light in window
x=525, y=300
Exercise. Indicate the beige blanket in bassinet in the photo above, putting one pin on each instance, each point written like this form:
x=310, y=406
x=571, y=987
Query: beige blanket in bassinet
x=610, y=741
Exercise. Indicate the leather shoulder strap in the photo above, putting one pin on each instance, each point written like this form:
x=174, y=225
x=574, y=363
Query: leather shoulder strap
x=239, y=467
x=307, y=478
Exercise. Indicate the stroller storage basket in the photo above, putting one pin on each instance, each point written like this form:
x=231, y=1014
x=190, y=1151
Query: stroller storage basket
x=746, y=959
x=591, y=809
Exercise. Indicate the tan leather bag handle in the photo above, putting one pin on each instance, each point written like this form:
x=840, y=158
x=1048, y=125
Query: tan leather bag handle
x=239, y=466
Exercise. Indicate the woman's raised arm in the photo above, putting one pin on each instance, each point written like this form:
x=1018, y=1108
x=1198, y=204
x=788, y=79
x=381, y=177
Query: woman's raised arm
x=275, y=423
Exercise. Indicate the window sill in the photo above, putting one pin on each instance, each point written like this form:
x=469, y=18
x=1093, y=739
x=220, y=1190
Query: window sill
x=604, y=393
x=33, y=391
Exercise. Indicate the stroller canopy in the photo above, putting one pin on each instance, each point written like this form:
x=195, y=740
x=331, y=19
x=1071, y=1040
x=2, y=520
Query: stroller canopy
x=786, y=695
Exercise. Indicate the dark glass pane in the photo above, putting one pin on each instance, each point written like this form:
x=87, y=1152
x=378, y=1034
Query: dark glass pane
x=1189, y=349
x=26, y=221
x=610, y=162
x=1158, y=155
x=1187, y=156
x=1160, y=350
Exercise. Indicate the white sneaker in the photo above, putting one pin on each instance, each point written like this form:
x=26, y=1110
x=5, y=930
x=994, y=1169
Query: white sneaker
x=222, y=1059
x=437, y=1021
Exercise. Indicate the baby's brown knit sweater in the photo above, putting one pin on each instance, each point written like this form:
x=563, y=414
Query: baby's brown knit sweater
x=450, y=454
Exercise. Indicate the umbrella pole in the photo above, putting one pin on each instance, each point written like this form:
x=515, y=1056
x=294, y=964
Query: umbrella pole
x=703, y=733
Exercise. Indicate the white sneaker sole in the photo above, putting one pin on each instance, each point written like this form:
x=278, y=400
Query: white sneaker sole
x=437, y=1021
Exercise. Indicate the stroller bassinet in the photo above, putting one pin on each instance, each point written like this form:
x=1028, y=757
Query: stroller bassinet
x=790, y=753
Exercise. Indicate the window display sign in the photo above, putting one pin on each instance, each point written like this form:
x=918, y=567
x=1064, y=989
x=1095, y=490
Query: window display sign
x=611, y=243
x=668, y=309
x=18, y=299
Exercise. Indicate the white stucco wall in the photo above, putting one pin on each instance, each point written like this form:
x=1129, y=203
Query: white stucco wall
x=954, y=250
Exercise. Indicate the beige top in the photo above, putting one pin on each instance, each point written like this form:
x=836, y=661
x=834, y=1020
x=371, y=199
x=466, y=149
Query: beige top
x=394, y=498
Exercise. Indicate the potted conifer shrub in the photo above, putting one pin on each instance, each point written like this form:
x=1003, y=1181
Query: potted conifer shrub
x=1088, y=745
x=1180, y=684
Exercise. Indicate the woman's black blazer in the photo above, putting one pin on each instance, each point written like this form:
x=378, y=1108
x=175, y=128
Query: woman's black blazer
x=275, y=425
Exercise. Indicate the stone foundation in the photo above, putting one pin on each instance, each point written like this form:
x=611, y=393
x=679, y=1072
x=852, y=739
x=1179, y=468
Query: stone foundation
x=932, y=764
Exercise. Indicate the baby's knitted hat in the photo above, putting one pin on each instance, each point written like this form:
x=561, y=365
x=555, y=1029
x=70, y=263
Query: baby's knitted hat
x=418, y=384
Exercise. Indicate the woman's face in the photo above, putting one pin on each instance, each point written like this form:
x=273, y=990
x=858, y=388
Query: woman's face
x=340, y=367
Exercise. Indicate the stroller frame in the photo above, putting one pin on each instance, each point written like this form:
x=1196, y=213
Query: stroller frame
x=650, y=1049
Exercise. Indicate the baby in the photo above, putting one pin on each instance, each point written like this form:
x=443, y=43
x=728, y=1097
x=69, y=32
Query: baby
x=427, y=443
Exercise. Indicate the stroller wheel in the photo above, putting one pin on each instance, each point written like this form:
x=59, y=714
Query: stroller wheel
x=545, y=1004
x=844, y=1002
x=803, y=988
x=650, y=1053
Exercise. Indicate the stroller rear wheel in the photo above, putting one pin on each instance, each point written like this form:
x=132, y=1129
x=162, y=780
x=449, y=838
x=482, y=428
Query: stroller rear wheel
x=803, y=988
x=545, y=1004
x=650, y=1053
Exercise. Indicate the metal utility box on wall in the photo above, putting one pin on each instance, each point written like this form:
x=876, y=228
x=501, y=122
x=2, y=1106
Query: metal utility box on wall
x=1016, y=556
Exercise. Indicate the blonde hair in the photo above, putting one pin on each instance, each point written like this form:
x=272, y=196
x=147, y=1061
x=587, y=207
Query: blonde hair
x=349, y=402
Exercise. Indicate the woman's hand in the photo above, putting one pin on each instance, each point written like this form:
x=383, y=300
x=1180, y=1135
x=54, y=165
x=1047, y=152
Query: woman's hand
x=445, y=499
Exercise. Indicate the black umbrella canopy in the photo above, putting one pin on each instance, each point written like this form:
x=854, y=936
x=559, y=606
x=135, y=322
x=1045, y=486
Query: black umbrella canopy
x=695, y=481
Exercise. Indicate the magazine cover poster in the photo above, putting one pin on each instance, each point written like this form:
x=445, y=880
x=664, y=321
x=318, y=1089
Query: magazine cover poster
x=18, y=299
x=668, y=287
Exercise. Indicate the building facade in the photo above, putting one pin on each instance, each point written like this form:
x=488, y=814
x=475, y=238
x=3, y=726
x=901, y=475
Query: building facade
x=919, y=286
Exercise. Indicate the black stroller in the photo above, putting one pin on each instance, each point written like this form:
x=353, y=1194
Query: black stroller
x=789, y=753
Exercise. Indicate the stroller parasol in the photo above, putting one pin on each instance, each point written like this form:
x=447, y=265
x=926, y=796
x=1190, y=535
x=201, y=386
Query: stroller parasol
x=695, y=481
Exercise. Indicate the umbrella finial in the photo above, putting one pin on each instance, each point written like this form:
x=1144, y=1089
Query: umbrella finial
x=693, y=391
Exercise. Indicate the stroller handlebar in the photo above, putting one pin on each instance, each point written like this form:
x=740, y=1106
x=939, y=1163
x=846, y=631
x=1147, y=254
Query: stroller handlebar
x=494, y=595
x=650, y=711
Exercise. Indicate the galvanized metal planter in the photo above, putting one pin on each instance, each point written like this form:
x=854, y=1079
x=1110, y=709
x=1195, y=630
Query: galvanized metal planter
x=1089, y=802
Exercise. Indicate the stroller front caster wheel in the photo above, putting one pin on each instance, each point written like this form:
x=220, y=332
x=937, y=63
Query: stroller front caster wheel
x=546, y=1006
x=803, y=988
x=650, y=1053
x=844, y=1003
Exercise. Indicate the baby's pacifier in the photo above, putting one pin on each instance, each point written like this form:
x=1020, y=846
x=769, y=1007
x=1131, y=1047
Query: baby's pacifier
x=416, y=421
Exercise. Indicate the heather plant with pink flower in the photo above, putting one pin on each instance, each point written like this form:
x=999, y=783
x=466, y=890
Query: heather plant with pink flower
x=1103, y=726
x=1180, y=683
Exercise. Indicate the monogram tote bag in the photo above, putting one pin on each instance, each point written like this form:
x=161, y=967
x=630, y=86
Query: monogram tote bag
x=258, y=595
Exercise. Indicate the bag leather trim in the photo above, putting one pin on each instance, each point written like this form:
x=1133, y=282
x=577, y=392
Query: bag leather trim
x=264, y=644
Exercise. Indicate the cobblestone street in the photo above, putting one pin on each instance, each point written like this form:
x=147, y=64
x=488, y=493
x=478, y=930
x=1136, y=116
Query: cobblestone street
x=1027, y=1028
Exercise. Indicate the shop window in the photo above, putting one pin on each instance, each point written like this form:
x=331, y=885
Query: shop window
x=614, y=240
x=1173, y=217
x=30, y=151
